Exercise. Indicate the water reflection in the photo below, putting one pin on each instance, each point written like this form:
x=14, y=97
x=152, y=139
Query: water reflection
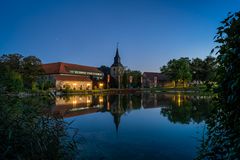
x=70, y=106
x=178, y=108
x=137, y=126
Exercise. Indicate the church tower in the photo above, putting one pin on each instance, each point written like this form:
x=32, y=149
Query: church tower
x=117, y=68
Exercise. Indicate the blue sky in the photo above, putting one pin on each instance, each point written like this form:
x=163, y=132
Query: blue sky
x=149, y=32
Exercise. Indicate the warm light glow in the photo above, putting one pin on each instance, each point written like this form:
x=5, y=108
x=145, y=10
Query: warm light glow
x=100, y=99
x=108, y=106
x=74, y=102
x=74, y=84
x=88, y=84
x=179, y=100
x=100, y=85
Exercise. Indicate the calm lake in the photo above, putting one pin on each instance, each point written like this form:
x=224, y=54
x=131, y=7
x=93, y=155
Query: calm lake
x=136, y=126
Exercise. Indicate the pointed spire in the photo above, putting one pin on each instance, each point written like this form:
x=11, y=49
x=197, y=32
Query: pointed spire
x=117, y=59
x=117, y=44
x=117, y=54
x=117, y=119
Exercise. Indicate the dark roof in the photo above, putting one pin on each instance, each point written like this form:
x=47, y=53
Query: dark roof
x=64, y=68
x=160, y=76
x=71, y=78
x=117, y=60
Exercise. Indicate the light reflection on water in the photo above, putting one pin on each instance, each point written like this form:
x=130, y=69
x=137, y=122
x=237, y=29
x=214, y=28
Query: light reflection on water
x=136, y=126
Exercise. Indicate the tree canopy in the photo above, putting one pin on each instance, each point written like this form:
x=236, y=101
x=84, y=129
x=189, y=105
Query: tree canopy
x=178, y=69
x=18, y=72
x=186, y=70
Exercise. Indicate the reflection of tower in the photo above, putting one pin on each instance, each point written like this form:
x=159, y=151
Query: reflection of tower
x=117, y=69
x=155, y=100
x=117, y=111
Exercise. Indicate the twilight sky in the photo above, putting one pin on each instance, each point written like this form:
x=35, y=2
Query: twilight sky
x=149, y=32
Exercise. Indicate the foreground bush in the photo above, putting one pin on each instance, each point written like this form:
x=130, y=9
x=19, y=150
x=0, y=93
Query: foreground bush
x=29, y=131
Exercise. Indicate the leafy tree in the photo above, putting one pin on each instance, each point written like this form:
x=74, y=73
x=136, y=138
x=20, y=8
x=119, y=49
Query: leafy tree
x=178, y=70
x=228, y=51
x=197, y=69
x=13, y=61
x=31, y=69
x=136, y=79
x=10, y=81
x=209, y=68
x=17, y=69
x=224, y=124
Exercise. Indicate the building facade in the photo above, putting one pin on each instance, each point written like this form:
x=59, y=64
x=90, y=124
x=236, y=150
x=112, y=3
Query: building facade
x=72, y=76
x=117, y=69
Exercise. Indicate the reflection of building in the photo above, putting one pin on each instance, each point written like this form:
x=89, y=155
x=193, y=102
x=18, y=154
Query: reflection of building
x=117, y=111
x=117, y=69
x=77, y=105
x=154, y=79
x=72, y=76
x=156, y=100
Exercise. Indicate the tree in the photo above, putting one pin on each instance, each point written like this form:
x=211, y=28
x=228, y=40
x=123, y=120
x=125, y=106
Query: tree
x=135, y=79
x=197, y=69
x=209, y=68
x=13, y=61
x=10, y=81
x=224, y=123
x=20, y=68
x=31, y=69
x=228, y=58
x=178, y=70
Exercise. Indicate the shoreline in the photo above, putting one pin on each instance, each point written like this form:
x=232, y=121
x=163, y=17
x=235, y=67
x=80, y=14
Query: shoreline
x=53, y=93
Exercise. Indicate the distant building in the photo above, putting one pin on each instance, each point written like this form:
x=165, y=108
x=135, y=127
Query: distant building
x=117, y=69
x=72, y=76
x=154, y=79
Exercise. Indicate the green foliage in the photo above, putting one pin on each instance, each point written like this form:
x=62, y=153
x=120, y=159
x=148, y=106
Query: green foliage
x=178, y=70
x=197, y=69
x=16, y=69
x=31, y=69
x=34, y=87
x=10, y=81
x=135, y=76
x=28, y=130
x=228, y=51
x=224, y=125
x=13, y=61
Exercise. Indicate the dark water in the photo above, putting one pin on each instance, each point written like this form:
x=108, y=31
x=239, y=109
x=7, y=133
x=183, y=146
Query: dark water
x=139, y=126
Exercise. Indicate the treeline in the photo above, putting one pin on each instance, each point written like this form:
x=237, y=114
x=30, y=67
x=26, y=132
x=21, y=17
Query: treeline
x=184, y=70
x=19, y=73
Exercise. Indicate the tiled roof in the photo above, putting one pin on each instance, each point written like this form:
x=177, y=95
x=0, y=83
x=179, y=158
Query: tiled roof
x=64, y=68
x=151, y=75
x=71, y=78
